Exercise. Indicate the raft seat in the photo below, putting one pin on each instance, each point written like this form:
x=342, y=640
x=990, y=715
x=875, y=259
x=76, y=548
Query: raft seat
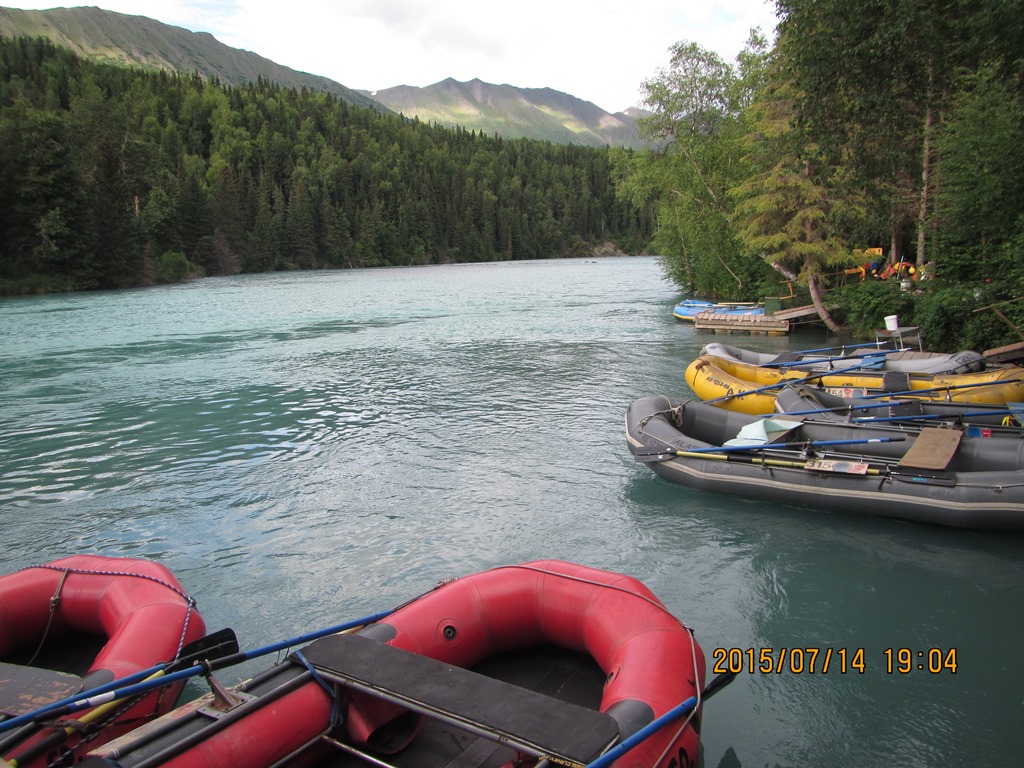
x=786, y=357
x=23, y=689
x=523, y=719
x=932, y=449
x=895, y=381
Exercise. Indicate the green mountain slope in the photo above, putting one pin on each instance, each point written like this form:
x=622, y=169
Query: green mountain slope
x=511, y=112
x=139, y=41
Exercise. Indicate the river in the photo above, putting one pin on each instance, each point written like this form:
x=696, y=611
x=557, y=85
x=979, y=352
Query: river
x=305, y=448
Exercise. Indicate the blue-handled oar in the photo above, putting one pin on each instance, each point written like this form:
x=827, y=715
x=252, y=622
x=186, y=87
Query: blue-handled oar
x=928, y=416
x=783, y=383
x=212, y=646
x=817, y=361
x=822, y=374
x=843, y=346
x=613, y=754
x=652, y=455
x=656, y=725
x=995, y=410
x=837, y=409
x=120, y=689
x=945, y=388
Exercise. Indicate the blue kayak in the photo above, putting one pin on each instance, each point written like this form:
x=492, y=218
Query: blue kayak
x=688, y=309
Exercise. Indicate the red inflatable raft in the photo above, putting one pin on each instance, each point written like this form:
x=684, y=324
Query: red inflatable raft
x=400, y=692
x=81, y=622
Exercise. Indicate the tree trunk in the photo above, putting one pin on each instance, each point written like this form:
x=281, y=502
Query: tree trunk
x=688, y=265
x=926, y=163
x=819, y=304
x=816, y=297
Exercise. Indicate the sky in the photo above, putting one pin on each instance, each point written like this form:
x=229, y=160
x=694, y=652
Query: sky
x=599, y=51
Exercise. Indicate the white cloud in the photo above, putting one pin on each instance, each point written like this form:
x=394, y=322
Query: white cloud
x=597, y=50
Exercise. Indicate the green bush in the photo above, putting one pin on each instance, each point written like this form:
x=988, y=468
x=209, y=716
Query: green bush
x=951, y=317
x=864, y=306
x=946, y=317
x=173, y=267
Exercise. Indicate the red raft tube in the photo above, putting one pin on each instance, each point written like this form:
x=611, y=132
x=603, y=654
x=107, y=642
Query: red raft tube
x=78, y=623
x=540, y=664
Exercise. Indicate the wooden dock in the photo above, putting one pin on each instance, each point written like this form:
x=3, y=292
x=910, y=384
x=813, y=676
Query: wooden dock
x=720, y=322
x=775, y=324
x=795, y=312
x=1006, y=354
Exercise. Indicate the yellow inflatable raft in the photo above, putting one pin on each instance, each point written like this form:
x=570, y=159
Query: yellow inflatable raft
x=747, y=388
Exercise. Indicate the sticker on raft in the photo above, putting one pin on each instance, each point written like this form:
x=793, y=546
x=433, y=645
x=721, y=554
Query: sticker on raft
x=830, y=465
x=847, y=391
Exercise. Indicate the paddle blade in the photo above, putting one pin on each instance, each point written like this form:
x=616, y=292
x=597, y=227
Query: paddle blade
x=216, y=645
x=717, y=684
x=652, y=455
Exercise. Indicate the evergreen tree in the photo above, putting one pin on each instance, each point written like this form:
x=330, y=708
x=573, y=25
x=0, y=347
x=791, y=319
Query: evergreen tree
x=107, y=169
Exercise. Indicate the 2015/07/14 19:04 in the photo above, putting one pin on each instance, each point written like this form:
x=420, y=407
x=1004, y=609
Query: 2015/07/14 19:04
x=814, y=660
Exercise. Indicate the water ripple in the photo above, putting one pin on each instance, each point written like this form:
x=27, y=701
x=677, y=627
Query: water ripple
x=303, y=448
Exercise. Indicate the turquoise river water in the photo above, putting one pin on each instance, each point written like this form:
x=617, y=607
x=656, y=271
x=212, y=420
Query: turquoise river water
x=305, y=448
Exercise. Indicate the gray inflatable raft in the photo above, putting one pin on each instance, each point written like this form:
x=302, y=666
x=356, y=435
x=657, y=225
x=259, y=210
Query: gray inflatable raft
x=934, y=475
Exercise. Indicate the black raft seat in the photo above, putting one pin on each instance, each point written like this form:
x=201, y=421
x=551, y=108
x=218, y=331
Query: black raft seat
x=505, y=713
x=24, y=689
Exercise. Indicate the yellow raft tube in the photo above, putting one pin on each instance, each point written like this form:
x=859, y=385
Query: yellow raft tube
x=747, y=388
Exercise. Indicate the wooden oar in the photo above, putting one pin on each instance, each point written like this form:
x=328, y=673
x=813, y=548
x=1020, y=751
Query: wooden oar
x=651, y=455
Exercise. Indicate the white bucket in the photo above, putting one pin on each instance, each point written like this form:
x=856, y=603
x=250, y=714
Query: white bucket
x=892, y=322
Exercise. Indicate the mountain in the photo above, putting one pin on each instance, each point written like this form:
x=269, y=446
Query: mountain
x=505, y=110
x=138, y=41
x=535, y=113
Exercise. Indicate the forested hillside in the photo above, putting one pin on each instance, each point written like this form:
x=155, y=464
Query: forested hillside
x=869, y=132
x=114, y=177
x=107, y=37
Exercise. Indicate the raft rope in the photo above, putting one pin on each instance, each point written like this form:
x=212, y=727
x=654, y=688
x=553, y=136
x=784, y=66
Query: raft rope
x=190, y=602
x=656, y=603
x=673, y=411
x=687, y=721
x=54, y=604
x=88, y=731
x=332, y=691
